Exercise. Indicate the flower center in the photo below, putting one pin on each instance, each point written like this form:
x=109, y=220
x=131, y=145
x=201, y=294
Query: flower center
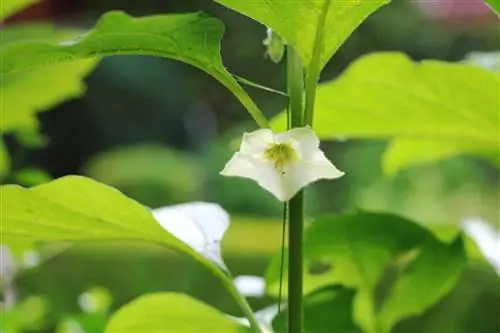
x=281, y=154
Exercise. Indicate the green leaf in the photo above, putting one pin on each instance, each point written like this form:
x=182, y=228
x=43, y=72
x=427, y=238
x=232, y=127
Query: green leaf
x=325, y=310
x=454, y=107
x=26, y=94
x=361, y=251
x=406, y=153
x=11, y=7
x=297, y=21
x=75, y=208
x=4, y=160
x=423, y=282
x=494, y=5
x=191, y=38
x=172, y=313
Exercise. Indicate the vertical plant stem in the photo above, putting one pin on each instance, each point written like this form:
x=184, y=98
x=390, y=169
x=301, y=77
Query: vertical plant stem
x=295, y=83
x=315, y=67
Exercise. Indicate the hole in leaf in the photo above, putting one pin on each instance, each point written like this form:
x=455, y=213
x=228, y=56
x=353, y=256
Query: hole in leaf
x=319, y=268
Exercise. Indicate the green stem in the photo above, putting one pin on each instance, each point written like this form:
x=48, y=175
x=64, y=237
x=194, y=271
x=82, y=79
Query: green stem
x=315, y=67
x=228, y=282
x=295, y=84
x=244, y=99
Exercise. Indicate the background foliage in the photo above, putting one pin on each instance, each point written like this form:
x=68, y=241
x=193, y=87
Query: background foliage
x=160, y=131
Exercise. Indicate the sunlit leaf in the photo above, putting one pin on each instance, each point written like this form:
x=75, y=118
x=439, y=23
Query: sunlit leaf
x=297, y=21
x=11, y=7
x=386, y=95
x=26, y=94
x=405, y=153
x=75, y=208
x=191, y=38
x=172, y=313
x=357, y=251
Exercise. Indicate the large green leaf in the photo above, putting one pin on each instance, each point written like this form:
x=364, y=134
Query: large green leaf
x=172, y=313
x=75, y=208
x=191, y=38
x=27, y=93
x=10, y=7
x=453, y=108
x=297, y=21
x=78, y=209
x=361, y=251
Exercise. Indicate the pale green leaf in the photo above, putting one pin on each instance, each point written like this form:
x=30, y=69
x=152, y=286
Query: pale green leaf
x=297, y=21
x=11, y=7
x=75, y=208
x=387, y=95
x=191, y=38
x=405, y=153
x=357, y=251
x=28, y=93
x=172, y=313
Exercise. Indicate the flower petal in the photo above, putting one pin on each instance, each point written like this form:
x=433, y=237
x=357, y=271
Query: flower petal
x=263, y=172
x=201, y=225
x=250, y=285
x=305, y=172
x=255, y=143
x=486, y=238
x=308, y=142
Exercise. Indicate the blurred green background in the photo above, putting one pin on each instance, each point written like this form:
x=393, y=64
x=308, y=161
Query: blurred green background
x=161, y=131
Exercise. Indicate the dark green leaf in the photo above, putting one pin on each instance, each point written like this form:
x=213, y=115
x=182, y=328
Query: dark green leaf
x=358, y=251
x=191, y=38
x=325, y=310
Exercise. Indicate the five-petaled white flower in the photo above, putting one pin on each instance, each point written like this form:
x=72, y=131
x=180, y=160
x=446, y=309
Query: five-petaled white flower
x=281, y=163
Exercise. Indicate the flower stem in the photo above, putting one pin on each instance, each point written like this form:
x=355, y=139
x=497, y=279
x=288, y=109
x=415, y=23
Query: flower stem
x=295, y=82
x=315, y=67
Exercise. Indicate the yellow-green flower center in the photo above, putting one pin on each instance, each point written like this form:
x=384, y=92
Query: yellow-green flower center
x=281, y=154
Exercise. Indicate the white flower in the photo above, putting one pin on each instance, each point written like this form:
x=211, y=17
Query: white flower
x=281, y=163
x=486, y=238
x=250, y=285
x=200, y=225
